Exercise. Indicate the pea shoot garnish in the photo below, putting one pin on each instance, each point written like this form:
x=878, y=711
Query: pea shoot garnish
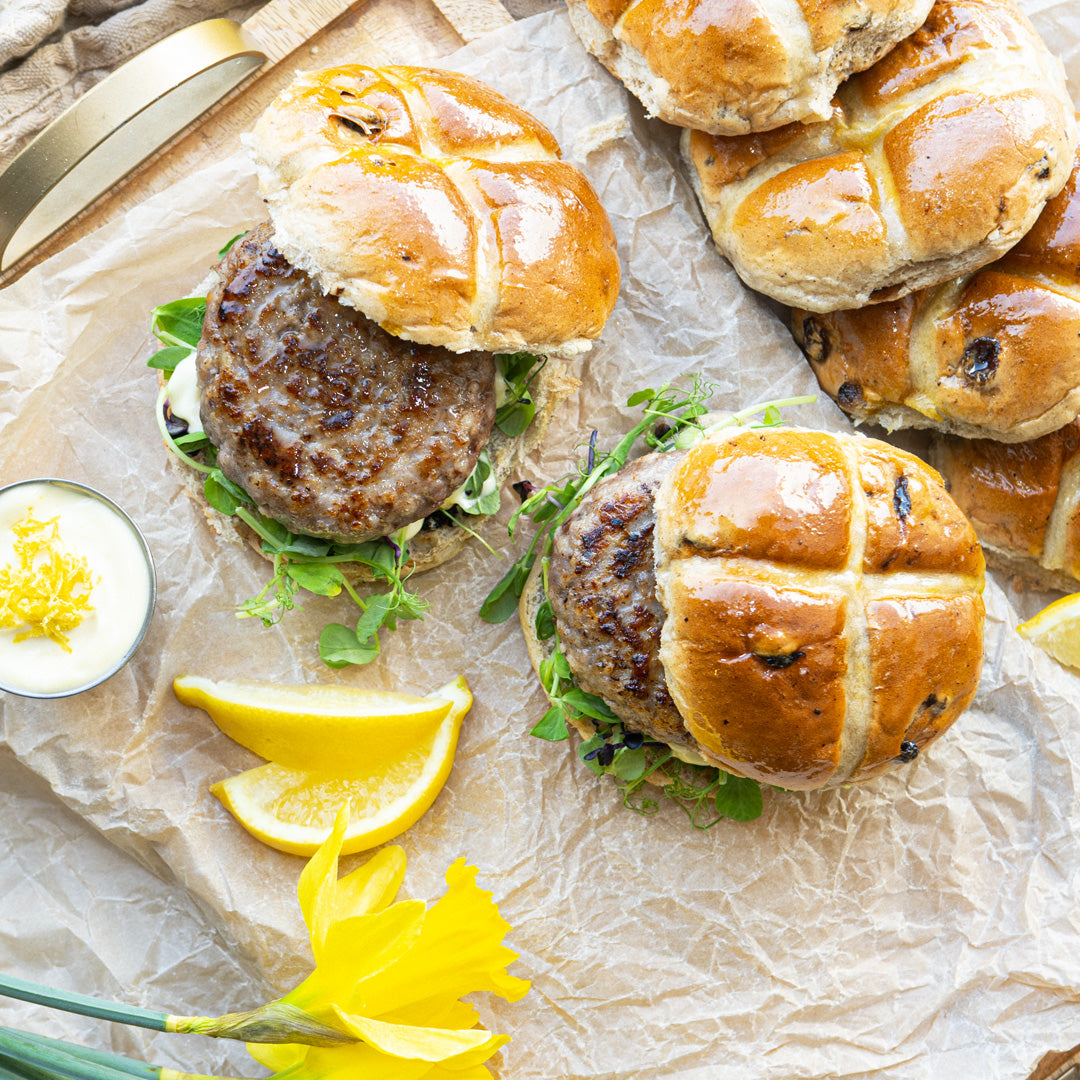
x=673, y=418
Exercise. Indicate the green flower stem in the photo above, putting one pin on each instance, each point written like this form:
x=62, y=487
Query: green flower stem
x=137, y=1069
x=81, y=1004
x=53, y=1060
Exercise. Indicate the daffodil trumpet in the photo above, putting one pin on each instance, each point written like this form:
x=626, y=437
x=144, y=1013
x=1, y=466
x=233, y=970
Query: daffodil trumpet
x=384, y=998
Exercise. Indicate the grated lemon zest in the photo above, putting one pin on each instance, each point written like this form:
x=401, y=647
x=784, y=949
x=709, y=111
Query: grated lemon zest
x=47, y=593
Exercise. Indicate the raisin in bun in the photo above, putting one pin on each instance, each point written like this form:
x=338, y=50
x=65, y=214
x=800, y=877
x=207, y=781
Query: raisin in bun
x=438, y=208
x=730, y=69
x=994, y=354
x=1023, y=500
x=798, y=594
x=935, y=161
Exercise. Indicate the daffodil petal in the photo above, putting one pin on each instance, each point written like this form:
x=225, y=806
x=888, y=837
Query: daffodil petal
x=354, y=950
x=448, y=1072
x=358, y=1062
x=423, y=1043
x=318, y=882
x=434, y=1012
x=372, y=887
x=277, y=1056
x=459, y=951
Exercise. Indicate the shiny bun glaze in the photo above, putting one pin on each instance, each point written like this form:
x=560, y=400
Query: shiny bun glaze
x=437, y=208
x=1023, y=500
x=824, y=609
x=993, y=354
x=934, y=162
x=729, y=69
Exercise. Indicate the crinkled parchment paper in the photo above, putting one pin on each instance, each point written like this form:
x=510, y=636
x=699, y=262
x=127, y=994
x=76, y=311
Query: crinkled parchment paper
x=925, y=925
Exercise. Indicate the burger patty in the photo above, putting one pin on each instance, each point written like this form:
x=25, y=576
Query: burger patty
x=333, y=426
x=602, y=587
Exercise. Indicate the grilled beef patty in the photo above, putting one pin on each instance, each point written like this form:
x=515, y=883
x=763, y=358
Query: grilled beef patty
x=602, y=587
x=333, y=426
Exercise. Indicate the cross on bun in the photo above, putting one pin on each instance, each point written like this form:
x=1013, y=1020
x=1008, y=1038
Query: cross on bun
x=813, y=585
x=437, y=208
x=1023, y=500
x=935, y=161
x=994, y=354
x=730, y=69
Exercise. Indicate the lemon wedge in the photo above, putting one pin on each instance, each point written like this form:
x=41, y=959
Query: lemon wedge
x=332, y=729
x=1056, y=630
x=293, y=809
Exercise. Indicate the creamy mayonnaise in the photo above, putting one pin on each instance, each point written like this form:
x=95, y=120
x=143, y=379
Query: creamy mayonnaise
x=120, y=600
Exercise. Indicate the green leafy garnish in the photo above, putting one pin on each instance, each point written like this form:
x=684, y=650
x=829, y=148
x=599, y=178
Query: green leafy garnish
x=480, y=493
x=229, y=243
x=518, y=370
x=180, y=322
x=672, y=419
x=301, y=562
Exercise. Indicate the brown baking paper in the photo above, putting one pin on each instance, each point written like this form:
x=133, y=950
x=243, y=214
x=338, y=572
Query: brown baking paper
x=924, y=925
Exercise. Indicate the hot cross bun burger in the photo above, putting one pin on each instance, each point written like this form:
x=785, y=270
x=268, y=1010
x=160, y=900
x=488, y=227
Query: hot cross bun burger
x=934, y=162
x=734, y=68
x=423, y=231
x=994, y=354
x=773, y=602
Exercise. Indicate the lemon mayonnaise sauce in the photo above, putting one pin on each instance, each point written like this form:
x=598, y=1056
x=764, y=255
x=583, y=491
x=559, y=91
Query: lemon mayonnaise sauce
x=98, y=565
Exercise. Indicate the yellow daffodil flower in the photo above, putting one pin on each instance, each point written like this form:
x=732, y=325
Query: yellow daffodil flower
x=391, y=975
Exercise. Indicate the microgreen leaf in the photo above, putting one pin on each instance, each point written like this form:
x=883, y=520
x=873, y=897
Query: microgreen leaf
x=629, y=764
x=339, y=647
x=552, y=726
x=587, y=704
x=374, y=616
x=166, y=359
x=480, y=492
x=502, y=601
x=229, y=243
x=739, y=799
x=217, y=491
x=517, y=370
x=180, y=322
x=321, y=579
x=545, y=621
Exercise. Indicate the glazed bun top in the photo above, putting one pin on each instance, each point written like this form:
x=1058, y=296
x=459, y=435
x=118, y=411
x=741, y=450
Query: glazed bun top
x=991, y=354
x=437, y=208
x=814, y=586
x=734, y=68
x=934, y=162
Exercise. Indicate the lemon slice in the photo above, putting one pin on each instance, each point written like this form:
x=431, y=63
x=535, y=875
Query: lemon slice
x=1056, y=630
x=293, y=809
x=332, y=729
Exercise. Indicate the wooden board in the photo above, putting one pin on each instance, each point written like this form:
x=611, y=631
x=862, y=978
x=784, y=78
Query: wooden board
x=295, y=35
